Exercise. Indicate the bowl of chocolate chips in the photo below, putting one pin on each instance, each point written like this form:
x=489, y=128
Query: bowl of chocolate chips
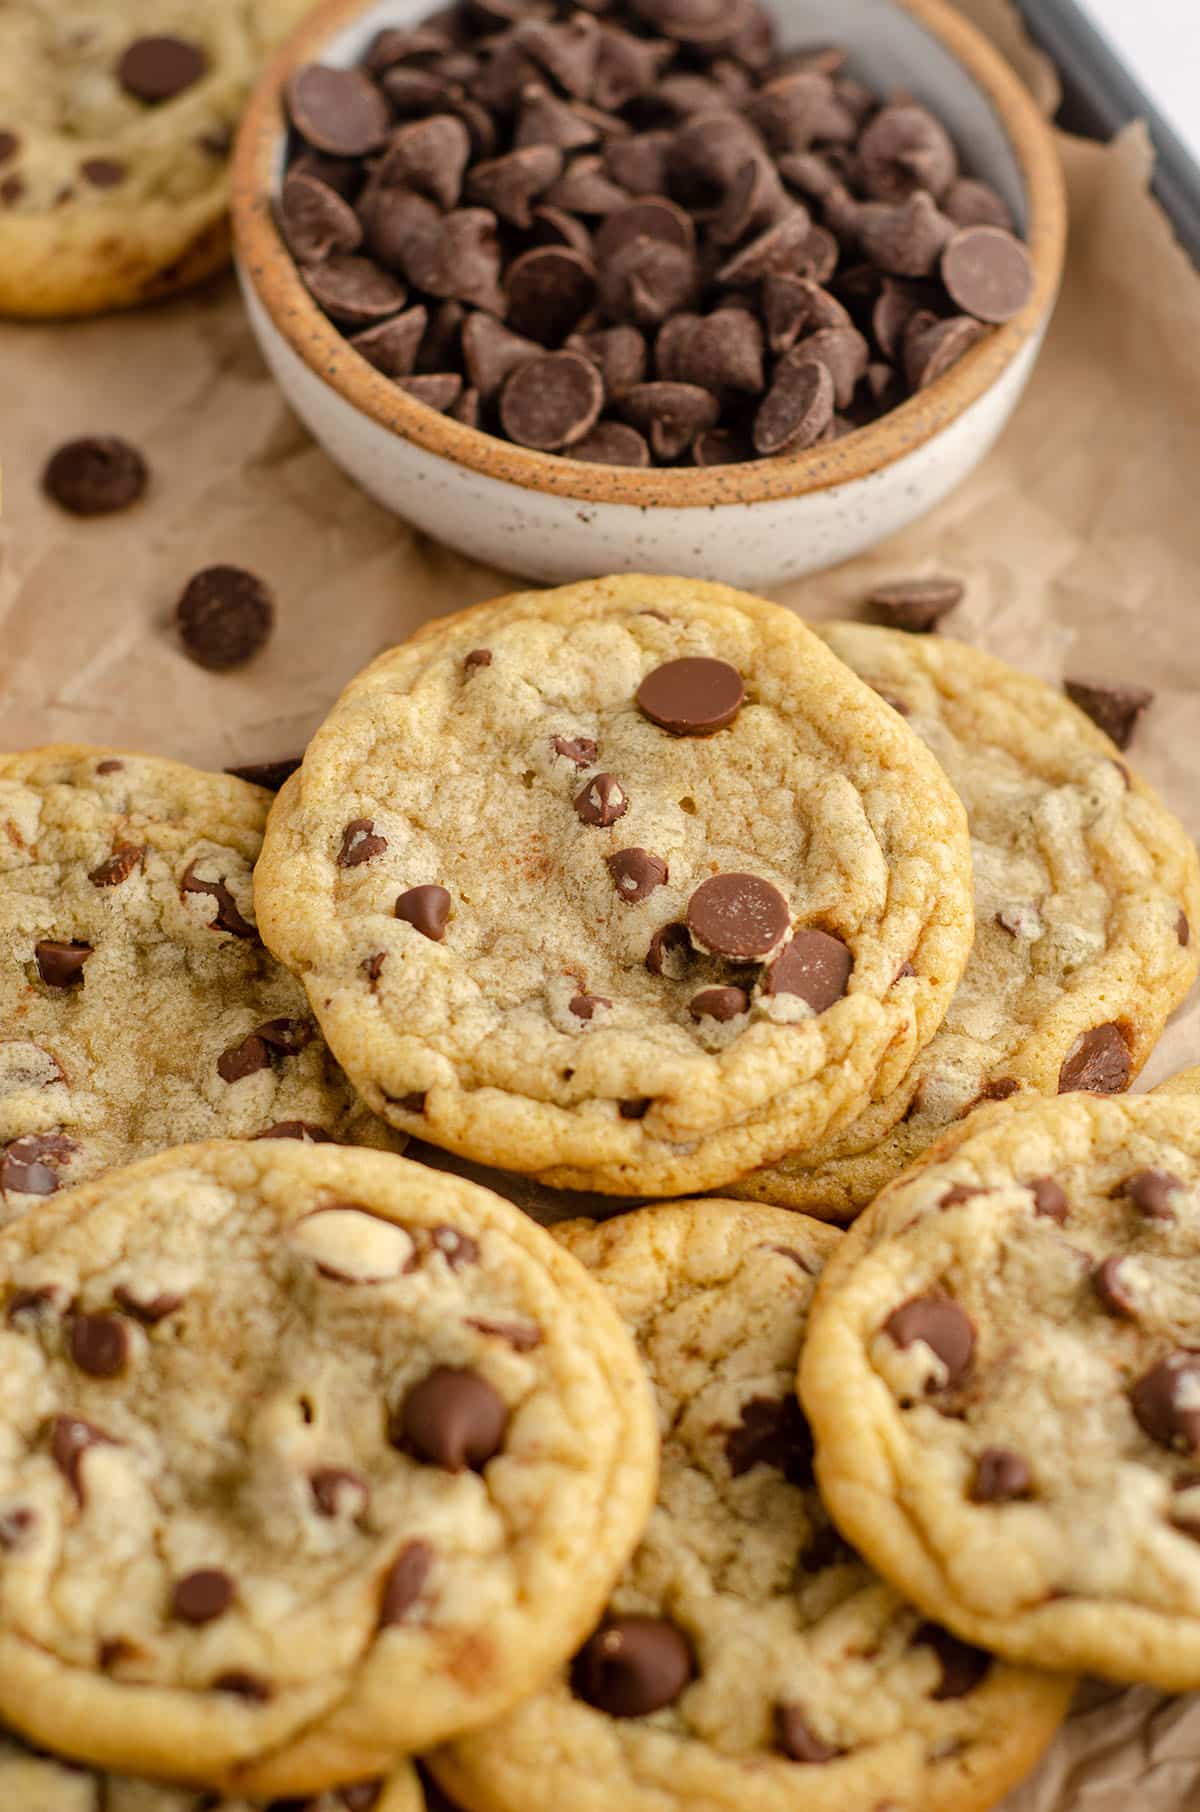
x=690, y=286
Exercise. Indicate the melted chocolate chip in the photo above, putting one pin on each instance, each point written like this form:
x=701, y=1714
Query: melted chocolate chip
x=100, y=1345
x=60, y=965
x=228, y=918
x=270, y=775
x=633, y=1666
x=602, y=801
x=580, y=750
x=693, y=696
x=1166, y=1401
x=1151, y=1191
x=458, y=1249
x=304, y=1130
x=339, y=1492
x=772, y=1432
x=584, y=1006
x=635, y=873
x=796, y=1738
x=1099, y=1060
x=815, y=966
x=202, y=1596
x=70, y=1438
x=1111, y=1285
x=453, y=1419
x=942, y=1326
x=1050, y=1199
x=27, y=1166
x=670, y=952
x=118, y=867
x=721, y=1004
x=244, y=1686
x=359, y=843
x=963, y=1667
x=426, y=909
x=1001, y=1477
x=404, y=1582
x=738, y=916
x=149, y=1310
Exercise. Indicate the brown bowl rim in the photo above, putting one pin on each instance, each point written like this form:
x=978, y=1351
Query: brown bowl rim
x=269, y=268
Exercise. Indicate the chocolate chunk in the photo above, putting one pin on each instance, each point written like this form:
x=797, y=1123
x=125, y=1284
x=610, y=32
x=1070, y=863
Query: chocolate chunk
x=28, y=1164
x=692, y=696
x=359, y=843
x=815, y=966
x=772, y=1432
x=453, y=1419
x=739, y=916
x=669, y=415
x=552, y=401
x=270, y=775
x=118, y=867
x=1151, y=1191
x=1001, y=1477
x=95, y=476
x=404, y=1582
x=104, y=172
x=797, y=409
x=1114, y=709
x=303, y=1130
x=429, y=156
x=315, y=220
x=436, y=390
x=963, y=1667
x=521, y=1336
x=647, y=280
x=797, y=1739
x=670, y=952
x=1112, y=1288
x=228, y=917
x=1098, y=1060
x=942, y=1326
x=60, y=965
x=987, y=273
x=202, y=1596
x=100, y=1344
x=392, y=347
x=931, y=346
x=549, y=291
x=149, y=1310
x=243, y=1059
x=244, y=1685
x=602, y=801
x=584, y=1006
x=580, y=750
x=225, y=617
x=427, y=909
x=354, y=290
x=458, y=1249
x=70, y=1438
x=904, y=149
x=157, y=69
x=1166, y=1401
x=338, y=1492
x=635, y=873
x=633, y=1666
x=916, y=605
x=509, y=184
x=1050, y=1199
x=722, y=1004
x=339, y=111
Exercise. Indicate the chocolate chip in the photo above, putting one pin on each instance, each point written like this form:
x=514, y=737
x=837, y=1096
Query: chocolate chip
x=303, y=1130
x=100, y=1345
x=1001, y=1477
x=315, y=220
x=739, y=916
x=95, y=476
x=338, y=1492
x=797, y=1739
x=670, y=952
x=359, y=843
x=795, y=305
x=987, y=273
x=1183, y=930
x=646, y=281
x=16, y=1526
x=414, y=1101
x=1098, y=1060
x=1050, y=1199
x=28, y=1164
x=584, y=188
x=245, y=1058
x=110, y=767
x=1151, y=1191
x=903, y=149
x=149, y=1310
x=1166, y=1401
x=552, y=401
x=270, y=775
x=225, y=616
x=60, y=965
x=549, y=291
x=522, y=1337
x=1114, y=709
x=243, y=1685
x=669, y=415
x=963, y=1667
x=916, y=605
x=118, y=867
x=453, y=1419
x=70, y=1438
x=427, y=909
x=722, y=1004
x=509, y=184
x=797, y=409
x=104, y=172
x=772, y=1432
x=942, y=1326
x=904, y=238
x=650, y=217
x=202, y=1596
x=354, y=290
x=969, y=202
x=404, y=1582
x=636, y=1109
x=45, y=1302
x=815, y=966
x=12, y=190
x=458, y=1249
x=392, y=347
x=492, y=352
x=580, y=750
x=429, y=156
x=437, y=390
x=780, y=248
x=363, y=1796
x=157, y=69
x=546, y=121
x=228, y=917
x=10, y=144
x=584, y=1006
x=339, y=111
x=633, y=1666
x=1112, y=1289
x=602, y=801
x=692, y=696
x=931, y=346
x=635, y=873
x=722, y=447
x=720, y=352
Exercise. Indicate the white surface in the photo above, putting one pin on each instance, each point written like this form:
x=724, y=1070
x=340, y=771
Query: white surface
x=1159, y=43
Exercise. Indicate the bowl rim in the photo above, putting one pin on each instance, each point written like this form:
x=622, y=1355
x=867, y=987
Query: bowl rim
x=267, y=266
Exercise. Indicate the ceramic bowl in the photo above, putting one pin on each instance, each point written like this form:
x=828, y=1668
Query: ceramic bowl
x=757, y=524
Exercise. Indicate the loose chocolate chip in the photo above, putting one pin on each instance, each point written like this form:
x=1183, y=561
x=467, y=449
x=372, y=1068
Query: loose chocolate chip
x=1098, y=1060
x=633, y=1666
x=722, y=447
x=157, y=69
x=60, y=965
x=1050, y=1199
x=339, y=111
x=1166, y=1401
x=963, y=1667
x=987, y=273
x=916, y=605
x=580, y=750
x=796, y=305
x=149, y=1310
x=103, y=172
x=646, y=281
x=904, y=238
x=619, y=355
x=245, y=1058
x=549, y=291
x=635, y=873
x=1001, y=1477
x=437, y=390
x=225, y=617
x=466, y=408
x=118, y=867
x=692, y=696
x=584, y=1006
x=270, y=775
x=404, y=1582
x=359, y=843
x=95, y=476
x=1151, y=1191
x=969, y=202
x=651, y=217
x=797, y=409
x=1114, y=709
x=844, y=353
x=772, y=1432
x=903, y=149
x=429, y=156
x=337, y=1492
x=722, y=1004
x=522, y=1337
x=602, y=801
x=815, y=966
x=70, y=1438
x=27, y=1166
x=670, y=952
x=547, y=122
x=244, y=1685
x=931, y=346
x=228, y=917
x=721, y=352
x=942, y=1326
x=100, y=1345
x=1112, y=1289
x=738, y=916
x=354, y=290
x=795, y=1736
x=12, y=190
x=458, y=1249
x=584, y=188
x=392, y=347
x=315, y=219
x=509, y=184
x=426, y=909
x=16, y=1526
x=453, y=1419
x=669, y=415
x=551, y=402
x=303, y=1130
x=202, y=1596
x=492, y=352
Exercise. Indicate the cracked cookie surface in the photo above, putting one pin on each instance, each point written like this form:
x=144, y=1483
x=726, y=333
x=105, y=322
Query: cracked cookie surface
x=748, y=1660
x=626, y=885
x=1001, y=1377
x=309, y=1457
x=1087, y=895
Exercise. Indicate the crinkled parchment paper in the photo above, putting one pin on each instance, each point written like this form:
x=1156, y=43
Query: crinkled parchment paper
x=1079, y=540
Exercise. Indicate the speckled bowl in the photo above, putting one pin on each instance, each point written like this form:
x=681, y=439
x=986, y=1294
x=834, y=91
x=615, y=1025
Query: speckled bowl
x=755, y=525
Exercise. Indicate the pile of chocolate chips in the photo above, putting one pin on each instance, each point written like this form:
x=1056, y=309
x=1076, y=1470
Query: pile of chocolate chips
x=635, y=232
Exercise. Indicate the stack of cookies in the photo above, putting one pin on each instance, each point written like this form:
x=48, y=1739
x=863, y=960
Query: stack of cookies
x=316, y=1458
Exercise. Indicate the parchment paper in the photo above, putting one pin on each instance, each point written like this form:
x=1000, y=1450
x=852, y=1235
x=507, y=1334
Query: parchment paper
x=1079, y=540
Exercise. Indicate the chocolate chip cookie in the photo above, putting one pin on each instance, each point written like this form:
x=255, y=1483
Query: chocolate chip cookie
x=116, y=123
x=138, y=1007
x=1086, y=894
x=32, y=1781
x=308, y=1458
x=748, y=1658
x=629, y=885
x=1002, y=1377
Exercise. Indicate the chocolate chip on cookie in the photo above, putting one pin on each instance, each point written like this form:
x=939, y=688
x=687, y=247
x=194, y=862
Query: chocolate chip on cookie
x=30, y=1164
x=118, y=867
x=404, y=1582
x=71, y=1438
x=963, y=1666
x=339, y=1492
x=61, y=964
x=1166, y=1401
x=1099, y=1060
x=798, y=1740
x=943, y=1327
x=670, y=952
x=225, y=617
x=772, y=1432
x=580, y=750
x=360, y=843
x=692, y=696
x=633, y=1666
x=158, y=69
x=602, y=801
x=203, y=1596
x=1001, y=1477
x=636, y=873
x=1152, y=1193
x=426, y=909
x=96, y=476
x=813, y=965
x=722, y=1004
x=1050, y=1199
x=453, y=1419
x=738, y=916
x=99, y=1344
